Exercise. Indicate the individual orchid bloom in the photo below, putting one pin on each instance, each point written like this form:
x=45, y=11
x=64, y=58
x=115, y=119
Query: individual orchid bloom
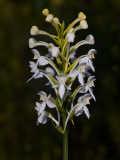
x=88, y=58
x=79, y=71
x=70, y=35
x=61, y=79
x=89, y=40
x=35, y=70
x=45, y=100
x=33, y=43
x=81, y=105
x=88, y=86
x=41, y=61
x=43, y=118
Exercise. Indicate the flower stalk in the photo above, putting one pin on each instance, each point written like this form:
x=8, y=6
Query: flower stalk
x=65, y=139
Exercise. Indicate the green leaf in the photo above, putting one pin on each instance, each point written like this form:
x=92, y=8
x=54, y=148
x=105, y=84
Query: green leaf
x=52, y=79
x=62, y=27
x=68, y=82
x=71, y=115
x=58, y=104
x=59, y=129
x=72, y=65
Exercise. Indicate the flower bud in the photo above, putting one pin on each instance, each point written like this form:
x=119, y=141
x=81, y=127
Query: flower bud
x=32, y=42
x=81, y=15
x=49, y=18
x=54, y=51
x=56, y=20
x=90, y=39
x=45, y=12
x=70, y=37
x=34, y=30
x=83, y=24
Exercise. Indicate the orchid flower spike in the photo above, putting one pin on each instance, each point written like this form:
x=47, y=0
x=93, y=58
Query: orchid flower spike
x=61, y=64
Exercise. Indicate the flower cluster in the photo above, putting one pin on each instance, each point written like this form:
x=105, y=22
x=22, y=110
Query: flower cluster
x=62, y=67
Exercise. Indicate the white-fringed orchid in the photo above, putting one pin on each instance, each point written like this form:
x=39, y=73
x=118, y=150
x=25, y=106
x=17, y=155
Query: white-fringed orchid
x=60, y=66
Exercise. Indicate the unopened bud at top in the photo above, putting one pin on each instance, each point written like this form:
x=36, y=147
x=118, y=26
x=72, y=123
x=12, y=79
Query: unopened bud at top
x=49, y=18
x=56, y=20
x=81, y=15
x=32, y=42
x=45, y=12
x=34, y=30
x=90, y=39
x=83, y=24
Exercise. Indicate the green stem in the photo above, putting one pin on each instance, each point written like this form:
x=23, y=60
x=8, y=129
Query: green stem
x=65, y=139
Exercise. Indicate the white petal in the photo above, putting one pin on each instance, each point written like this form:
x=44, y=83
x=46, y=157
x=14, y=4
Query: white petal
x=42, y=61
x=42, y=118
x=42, y=107
x=80, y=99
x=80, y=78
x=51, y=104
x=84, y=60
x=32, y=64
x=38, y=75
x=42, y=93
x=74, y=73
x=79, y=110
x=55, y=86
x=86, y=112
x=70, y=37
x=91, y=78
x=35, y=51
x=50, y=71
x=90, y=39
x=84, y=89
x=61, y=90
x=90, y=90
x=91, y=65
x=37, y=106
x=92, y=51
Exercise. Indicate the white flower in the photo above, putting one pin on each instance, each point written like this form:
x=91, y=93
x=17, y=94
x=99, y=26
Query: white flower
x=41, y=59
x=88, y=86
x=45, y=12
x=81, y=16
x=83, y=24
x=90, y=39
x=40, y=107
x=34, y=30
x=49, y=18
x=33, y=43
x=81, y=106
x=34, y=70
x=56, y=20
x=88, y=57
x=61, y=84
x=79, y=72
x=43, y=118
x=70, y=36
x=54, y=51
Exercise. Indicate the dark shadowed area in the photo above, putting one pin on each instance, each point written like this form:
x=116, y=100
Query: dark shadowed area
x=95, y=139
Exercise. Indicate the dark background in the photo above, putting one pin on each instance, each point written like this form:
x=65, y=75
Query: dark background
x=94, y=139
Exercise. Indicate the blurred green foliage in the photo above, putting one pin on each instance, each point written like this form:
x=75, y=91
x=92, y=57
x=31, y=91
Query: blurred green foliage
x=94, y=139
